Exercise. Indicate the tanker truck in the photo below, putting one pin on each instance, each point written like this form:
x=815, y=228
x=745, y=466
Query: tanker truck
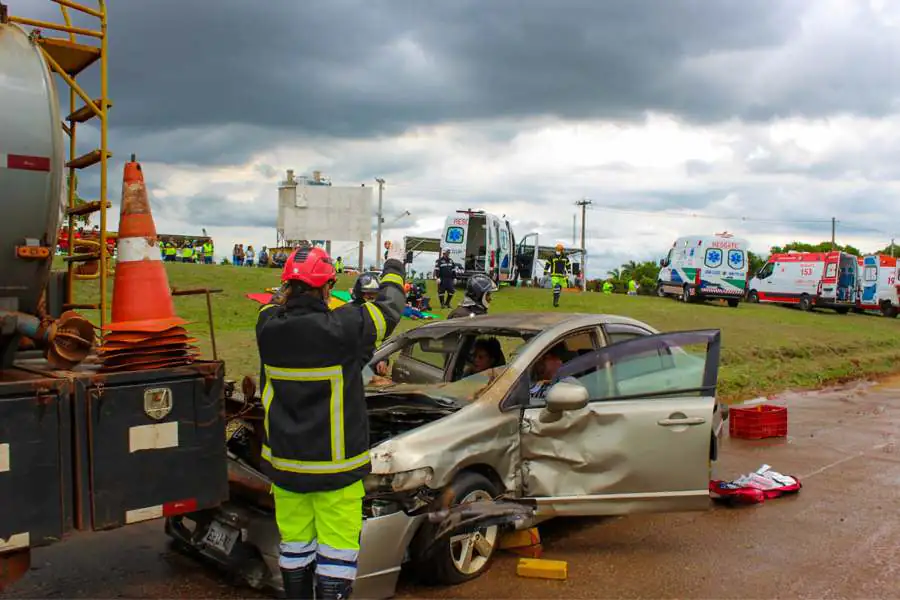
x=80, y=449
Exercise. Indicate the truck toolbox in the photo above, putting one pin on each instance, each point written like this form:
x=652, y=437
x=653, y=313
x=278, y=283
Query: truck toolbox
x=153, y=443
x=35, y=460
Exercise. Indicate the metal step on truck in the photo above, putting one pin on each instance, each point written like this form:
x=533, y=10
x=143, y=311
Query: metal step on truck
x=87, y=443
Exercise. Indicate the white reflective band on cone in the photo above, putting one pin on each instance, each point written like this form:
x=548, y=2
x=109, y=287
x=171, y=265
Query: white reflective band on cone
x=16, y=541
x=133, y=249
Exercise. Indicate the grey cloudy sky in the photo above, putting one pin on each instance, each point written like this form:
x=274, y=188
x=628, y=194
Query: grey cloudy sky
x=766, y=109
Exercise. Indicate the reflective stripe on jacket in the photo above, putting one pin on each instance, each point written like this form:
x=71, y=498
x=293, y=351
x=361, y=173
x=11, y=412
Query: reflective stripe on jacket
x=316, y=429
x=558, y=265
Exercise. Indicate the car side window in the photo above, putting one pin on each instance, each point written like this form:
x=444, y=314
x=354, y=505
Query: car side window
x=766, y=271
x=646, y=366
x=622, y=332
x=529, y=391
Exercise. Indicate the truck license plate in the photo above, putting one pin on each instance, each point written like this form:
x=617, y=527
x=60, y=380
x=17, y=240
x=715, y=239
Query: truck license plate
x=221, y=537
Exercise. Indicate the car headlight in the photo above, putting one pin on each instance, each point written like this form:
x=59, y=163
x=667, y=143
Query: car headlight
x=399, y=482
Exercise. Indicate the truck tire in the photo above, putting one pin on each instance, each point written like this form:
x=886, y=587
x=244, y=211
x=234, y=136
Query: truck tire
x=733, y=302
x=686, y=294
x=842, y=310
x=753, y=297
x=660, y=290
x=889, y=310
x=805, y=303
x=443, y=565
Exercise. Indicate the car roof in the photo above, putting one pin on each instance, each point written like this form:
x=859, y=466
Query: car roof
x=525, y=321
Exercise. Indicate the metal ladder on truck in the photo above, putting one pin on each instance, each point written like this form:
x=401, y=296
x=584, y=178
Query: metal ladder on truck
x=69, y=58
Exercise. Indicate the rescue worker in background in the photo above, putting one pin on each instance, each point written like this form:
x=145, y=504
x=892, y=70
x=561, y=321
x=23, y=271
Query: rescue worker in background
x=445, y=273
x=479, y=288
x=187, y=253
x=339, y=265
x=171, y=251
x=608, y=287
x=208, y=250
x=365, y=289
x=558, y=267
x=316, y=439
x=632, y=287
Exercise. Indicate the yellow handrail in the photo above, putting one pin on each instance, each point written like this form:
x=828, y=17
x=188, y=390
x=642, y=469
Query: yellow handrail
x=56, y=26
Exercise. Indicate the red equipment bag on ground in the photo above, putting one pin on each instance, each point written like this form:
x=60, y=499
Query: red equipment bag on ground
x=754, y=488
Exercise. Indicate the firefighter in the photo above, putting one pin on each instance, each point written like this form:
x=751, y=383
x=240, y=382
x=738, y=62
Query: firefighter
x=479, y=288
x=208, y=251
x=316, y=442
x=445, y=273
x=558, y=267
x=339, y=265
x=365, y=289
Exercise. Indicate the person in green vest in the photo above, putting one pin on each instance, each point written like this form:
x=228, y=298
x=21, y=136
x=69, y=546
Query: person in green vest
x=558, y=268
x=632, y=287
x=607, y=287
x=339, y=265
x=187, y=253
x=208, y=250
x=171, y=251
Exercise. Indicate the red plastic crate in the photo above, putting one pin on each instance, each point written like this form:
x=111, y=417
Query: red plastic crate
x=758, y=422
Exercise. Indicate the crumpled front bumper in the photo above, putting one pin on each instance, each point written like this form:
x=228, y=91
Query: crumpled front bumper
x=254, y=557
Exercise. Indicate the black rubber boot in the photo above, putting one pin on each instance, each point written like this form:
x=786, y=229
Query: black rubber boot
x=449, y=300
x=333, y=588
x=299, y=583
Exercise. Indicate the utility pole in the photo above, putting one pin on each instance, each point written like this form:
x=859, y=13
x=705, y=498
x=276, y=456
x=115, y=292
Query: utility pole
x=892, y=247
x=833, y=227
x=361, y=268
x=583, y=203
x=378, y=249
x=574, y=225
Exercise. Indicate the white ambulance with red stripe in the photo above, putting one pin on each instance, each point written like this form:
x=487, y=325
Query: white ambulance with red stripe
x=879, y=289
x=808, y=280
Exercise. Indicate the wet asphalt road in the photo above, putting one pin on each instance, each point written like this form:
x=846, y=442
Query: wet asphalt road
x=838, y=538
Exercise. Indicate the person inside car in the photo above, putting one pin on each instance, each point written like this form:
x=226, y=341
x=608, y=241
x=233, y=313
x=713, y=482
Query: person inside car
x=486, y=356
x=544, y=372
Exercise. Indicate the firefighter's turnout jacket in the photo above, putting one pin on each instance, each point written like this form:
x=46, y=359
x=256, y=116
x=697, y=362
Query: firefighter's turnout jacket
x=467, y=308
x=316, y=423
x=558, y=266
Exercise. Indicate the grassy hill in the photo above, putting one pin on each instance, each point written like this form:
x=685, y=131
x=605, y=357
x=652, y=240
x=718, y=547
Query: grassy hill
x=765, y=348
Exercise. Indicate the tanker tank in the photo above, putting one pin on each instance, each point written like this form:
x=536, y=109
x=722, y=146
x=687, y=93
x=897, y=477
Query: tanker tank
x=32, y=190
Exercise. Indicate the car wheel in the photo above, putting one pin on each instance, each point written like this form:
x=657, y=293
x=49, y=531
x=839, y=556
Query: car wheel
x=660, y=290
x=753, y=297
x=686, y=295
x=842, y=310
x=889, y=310
x=465, y=556
x=733, y=302
x=805, y=303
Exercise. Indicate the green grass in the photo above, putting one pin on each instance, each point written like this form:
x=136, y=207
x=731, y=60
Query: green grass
x=766, y=349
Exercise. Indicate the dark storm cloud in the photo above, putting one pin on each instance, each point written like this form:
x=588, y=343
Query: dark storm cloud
x=354, y=68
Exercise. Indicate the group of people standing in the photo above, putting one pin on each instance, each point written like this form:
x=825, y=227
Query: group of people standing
x=188, y=251
x=248, y=257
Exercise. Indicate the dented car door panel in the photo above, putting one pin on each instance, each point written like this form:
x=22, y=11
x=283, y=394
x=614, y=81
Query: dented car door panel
x=642, y=443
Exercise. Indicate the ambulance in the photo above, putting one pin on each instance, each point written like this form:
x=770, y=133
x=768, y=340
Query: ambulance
x=481, y=243
x=706, y=267
x=808, y=280
x=878, y=284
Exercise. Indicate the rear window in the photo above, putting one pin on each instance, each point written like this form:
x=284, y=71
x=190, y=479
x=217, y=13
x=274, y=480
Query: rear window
x=455, y=235
x=870, y=274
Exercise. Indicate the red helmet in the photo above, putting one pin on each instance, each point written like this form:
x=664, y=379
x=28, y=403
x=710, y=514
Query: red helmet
x=312, y=266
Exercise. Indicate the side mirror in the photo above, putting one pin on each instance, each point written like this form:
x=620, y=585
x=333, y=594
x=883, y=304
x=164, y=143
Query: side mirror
x=566, y=396
x=409, y=257
x=663, y=262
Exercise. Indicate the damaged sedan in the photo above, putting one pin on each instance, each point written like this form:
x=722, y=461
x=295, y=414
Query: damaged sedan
x=521, y=417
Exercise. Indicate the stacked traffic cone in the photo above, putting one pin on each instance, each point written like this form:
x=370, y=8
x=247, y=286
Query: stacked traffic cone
x=145, y=332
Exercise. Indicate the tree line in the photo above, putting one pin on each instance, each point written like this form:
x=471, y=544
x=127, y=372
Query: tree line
x=644, y=273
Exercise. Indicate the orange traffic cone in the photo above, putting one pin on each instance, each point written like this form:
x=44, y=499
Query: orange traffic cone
x=145, y=332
